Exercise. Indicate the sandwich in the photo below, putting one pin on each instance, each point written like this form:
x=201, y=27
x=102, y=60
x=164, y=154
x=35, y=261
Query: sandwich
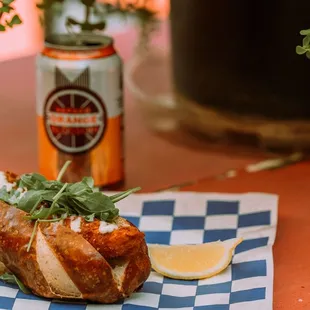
x=67, y=240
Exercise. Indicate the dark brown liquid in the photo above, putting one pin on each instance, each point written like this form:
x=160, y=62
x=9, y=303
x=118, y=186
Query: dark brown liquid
x=239, y=56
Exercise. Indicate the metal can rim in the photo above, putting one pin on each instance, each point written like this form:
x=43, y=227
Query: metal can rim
x=69, y=42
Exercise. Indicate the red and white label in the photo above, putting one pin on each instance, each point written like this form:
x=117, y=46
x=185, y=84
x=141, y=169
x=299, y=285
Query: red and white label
x=75, y=119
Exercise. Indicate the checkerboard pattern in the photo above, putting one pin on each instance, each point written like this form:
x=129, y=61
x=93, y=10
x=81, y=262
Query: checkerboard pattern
x=175, y=218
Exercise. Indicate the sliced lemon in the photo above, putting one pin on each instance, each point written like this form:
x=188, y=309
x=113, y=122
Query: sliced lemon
x=192, y=261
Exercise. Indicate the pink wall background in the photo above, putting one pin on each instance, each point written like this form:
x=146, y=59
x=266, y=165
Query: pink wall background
x=26, y=39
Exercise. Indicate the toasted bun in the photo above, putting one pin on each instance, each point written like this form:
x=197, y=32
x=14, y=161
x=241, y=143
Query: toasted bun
x=82, y=264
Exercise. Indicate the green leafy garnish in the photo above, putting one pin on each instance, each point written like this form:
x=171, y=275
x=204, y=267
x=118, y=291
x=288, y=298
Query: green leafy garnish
x=9, y=197
x=12, y=279
x=63, y=170
x=305, y=47
x=4, y=195
x=52, y=200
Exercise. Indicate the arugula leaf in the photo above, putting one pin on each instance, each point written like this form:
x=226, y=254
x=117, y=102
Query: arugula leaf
x=31, y=198
x=89, y=181
x=94, y=205
x=32, y=181
x=53, y=208
x=21, y=286
x=122, y=195
x=4, y=195
x=44, y=213
x=45, y=199
x=12, y=279
x=96, y=202
x=74, y=199
x=34, y=231
x=63, y=170
x=51, y=201
x=109, y=216
x=79, y=188
x=89, y=218
x=78, y=206
x=11, y=197
x=52, y=185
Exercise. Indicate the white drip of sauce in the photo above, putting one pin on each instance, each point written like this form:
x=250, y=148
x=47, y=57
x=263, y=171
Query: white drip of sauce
x=105, y=227
x=5, y=182
x=75, y=224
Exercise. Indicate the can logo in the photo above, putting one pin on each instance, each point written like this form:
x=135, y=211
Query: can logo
x=75, y=119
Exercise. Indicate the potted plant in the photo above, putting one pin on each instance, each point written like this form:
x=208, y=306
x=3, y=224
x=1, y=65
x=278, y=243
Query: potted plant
x=8, y=17
x=139, y=11
x=96, y=15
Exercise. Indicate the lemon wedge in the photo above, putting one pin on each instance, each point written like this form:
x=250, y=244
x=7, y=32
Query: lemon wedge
x=192, y=261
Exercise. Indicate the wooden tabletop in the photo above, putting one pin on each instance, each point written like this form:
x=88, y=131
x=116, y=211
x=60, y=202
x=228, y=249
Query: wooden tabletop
x=291, y=249
x=152, y=161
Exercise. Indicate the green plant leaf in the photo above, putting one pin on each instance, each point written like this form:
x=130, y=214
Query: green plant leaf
x=89, y=218
x=78, y=207
x=305, y=32
x=98, y=202
x=15, y=197
x=109, y=216
x=122, y=195
x=89, y=181
x=52, y=185
x=308, y=55
x=45, y=198
x=7, y=2
x=14, y=21
x=12, y=197
x=79, y=188
x=306, y=41
x=43, y=213
x=4, y=195
x=2, y=28
x=300, y=50
x=63, y=170
x=8, y=278
x=12, y=279
x=33, y=181
x=21, y=286
x=31, y=198
x=6, y=9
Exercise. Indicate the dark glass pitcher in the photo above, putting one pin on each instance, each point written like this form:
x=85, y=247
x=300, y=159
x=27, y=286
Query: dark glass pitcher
x=238, y=58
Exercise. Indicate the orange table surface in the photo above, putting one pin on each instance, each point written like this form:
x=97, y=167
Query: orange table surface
x=291, y=249
x=175, y=162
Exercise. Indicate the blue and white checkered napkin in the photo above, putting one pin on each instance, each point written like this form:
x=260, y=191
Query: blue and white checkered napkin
x=174, y=218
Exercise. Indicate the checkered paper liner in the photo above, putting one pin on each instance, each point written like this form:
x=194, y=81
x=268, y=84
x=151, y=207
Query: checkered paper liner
x=179, y=218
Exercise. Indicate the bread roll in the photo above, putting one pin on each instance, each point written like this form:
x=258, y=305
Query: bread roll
x=74, y=259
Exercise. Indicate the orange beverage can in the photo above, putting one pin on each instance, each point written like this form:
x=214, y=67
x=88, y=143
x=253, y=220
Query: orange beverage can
x=80, y=109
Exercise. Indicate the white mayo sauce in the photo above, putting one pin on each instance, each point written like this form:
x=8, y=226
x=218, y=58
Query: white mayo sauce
x=75, y=223
x=4, y=182
x=105, y=227
x=22, y=192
